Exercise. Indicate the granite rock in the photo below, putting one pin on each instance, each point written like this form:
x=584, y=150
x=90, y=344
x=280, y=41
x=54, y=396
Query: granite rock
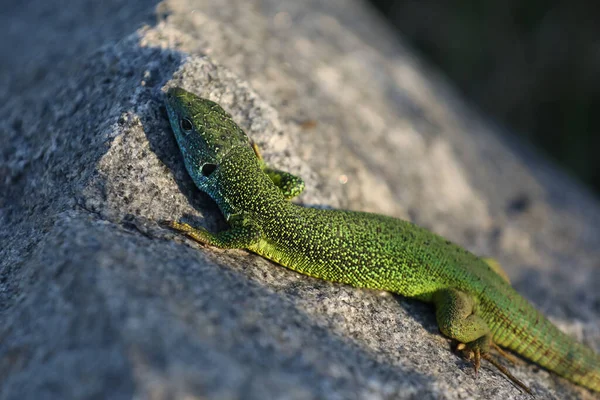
x=98, y=301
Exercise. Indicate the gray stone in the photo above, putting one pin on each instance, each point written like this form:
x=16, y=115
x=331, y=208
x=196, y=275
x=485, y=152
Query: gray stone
x=98, y=301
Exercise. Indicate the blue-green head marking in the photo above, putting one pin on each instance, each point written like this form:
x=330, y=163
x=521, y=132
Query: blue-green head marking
x=205, y=134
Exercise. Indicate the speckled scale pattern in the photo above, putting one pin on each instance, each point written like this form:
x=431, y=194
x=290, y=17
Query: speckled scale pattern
x=360, y=249
x=216, y=126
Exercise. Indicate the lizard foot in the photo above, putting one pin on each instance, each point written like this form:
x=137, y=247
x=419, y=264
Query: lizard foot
x=200, y=235
x=472, y=355
x=478, y=349
x=473, y=351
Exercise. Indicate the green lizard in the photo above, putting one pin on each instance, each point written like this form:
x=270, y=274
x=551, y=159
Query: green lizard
x=475, y=304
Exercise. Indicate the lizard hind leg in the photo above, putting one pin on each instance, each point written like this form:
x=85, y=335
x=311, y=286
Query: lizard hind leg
x=457, y=319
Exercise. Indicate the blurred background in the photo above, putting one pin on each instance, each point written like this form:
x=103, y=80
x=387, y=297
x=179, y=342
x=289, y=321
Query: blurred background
x=532, y=66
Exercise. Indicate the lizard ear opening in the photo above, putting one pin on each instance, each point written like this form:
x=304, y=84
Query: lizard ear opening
x=208, y=169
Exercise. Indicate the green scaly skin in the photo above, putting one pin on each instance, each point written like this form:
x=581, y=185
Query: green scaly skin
x=475, y=304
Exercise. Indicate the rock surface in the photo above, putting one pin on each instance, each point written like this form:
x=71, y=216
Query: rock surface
x=98, y=301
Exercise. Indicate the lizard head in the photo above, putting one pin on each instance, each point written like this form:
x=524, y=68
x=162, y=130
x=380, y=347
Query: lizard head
x=204, y=131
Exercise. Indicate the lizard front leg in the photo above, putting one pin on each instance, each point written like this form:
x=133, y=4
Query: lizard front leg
x=242, y=234
x=290, y=185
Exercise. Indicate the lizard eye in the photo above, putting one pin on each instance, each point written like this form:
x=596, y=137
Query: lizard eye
x=208, y=169
x=186, y=125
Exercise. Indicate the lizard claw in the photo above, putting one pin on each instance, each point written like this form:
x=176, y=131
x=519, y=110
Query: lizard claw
x=471, y=354
x=166, y=223
x=477, y=360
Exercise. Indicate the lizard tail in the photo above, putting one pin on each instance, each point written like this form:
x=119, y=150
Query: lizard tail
x=544, y=344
